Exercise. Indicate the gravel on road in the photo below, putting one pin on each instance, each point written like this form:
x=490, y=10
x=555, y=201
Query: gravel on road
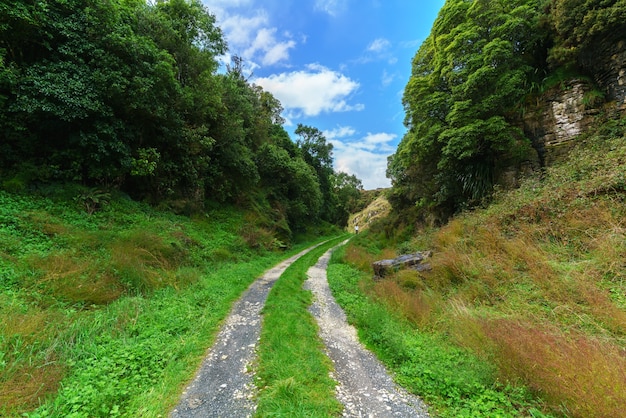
x=365, y=387
x=223, y=387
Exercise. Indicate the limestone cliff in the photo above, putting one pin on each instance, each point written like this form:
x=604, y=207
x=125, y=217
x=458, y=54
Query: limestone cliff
x=560, y=115
x=565, y=111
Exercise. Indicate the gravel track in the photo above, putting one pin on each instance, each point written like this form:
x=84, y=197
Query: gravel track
x=365, y=388
x=223, y=386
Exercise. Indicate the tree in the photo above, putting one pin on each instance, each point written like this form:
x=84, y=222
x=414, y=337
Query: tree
x=467, y=79
x=319, y=155
x=579, y=25
x=347, y=188
x=291, y=184
x=116, y=92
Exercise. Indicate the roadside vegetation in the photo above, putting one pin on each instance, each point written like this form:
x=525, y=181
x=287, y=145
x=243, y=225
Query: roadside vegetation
x=524, y=310
x=293, y=371
x=109, y=314
x=106, y=305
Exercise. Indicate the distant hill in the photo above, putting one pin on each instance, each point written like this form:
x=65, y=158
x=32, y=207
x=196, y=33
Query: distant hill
x=378, y=208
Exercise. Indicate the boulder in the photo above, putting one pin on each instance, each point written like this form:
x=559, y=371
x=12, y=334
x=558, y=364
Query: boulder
x=414, y=261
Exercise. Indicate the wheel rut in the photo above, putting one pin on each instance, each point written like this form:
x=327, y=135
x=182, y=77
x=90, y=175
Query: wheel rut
x=223, y=386
x=365, y=388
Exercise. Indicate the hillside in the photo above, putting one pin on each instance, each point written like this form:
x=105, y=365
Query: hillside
x=376, y=210
x=499, y=89
x=108, y=313
x=532, y=284
x=138, y=105
x=512, y=172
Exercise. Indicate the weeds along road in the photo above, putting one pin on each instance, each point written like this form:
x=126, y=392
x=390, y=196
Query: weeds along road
x=224, y=384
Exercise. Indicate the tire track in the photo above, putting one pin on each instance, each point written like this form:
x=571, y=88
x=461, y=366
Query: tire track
x=365, y=387
x=223, y=386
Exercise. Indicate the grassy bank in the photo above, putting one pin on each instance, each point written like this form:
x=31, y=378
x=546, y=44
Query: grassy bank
x=528, y=292
x=109, y=314
x=453, y=381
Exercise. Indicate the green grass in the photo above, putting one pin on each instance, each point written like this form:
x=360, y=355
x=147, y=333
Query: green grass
x=110, y=314
x=293, y=373
x=451, y=380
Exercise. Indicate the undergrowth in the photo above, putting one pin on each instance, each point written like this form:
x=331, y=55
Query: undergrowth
x=533, y=285
x=110, y=313
x=452, y=381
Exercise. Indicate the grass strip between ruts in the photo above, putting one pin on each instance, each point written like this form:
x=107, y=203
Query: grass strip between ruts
x=293, y=371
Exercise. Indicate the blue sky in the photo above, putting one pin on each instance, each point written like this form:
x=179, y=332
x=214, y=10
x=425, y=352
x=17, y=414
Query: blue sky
x=337, y=65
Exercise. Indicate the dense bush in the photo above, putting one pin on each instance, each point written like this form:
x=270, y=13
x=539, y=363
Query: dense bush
x=465, y=97
x=126, y=95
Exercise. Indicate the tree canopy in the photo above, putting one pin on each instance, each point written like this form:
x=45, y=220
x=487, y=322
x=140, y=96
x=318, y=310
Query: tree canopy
x=466, y=78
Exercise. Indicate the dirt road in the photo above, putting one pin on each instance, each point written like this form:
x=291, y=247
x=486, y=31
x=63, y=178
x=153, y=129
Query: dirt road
x=365, y=388
x=224, y=384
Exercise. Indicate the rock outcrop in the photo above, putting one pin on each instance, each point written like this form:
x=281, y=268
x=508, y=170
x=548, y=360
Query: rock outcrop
x=378, y=209
x=565, y=111
x=561, y=115
x=414, y=261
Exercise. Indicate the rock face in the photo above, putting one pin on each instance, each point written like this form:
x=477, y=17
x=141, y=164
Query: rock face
x=414, y=261
x=378, y=209
x=567, y=110
x=606, y=60
x=561, y=115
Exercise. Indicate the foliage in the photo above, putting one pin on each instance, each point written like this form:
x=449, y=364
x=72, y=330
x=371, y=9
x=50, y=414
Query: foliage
x=291, y=183
x=125, y=95
x=453, y=381
x=318, y=154
x=349, y=192
x=111, y=314
x=92, y=199
x=579, y=26
x=467, y=78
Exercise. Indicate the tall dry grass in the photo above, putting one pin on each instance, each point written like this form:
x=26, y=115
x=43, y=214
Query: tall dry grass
x=578, y=375
x=415, y=305
x=26, y=379
x=75, y=279
x=362, y=259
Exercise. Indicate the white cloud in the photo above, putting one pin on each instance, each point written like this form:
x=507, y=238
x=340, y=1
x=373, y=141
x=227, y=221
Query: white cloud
x=365, y=157
x=332, y=7
x=272, y=50
x=240, y=30
x=249, y=32
x=379, y=45
x=339, y=132
x=378, y=142
x=379, y=49
x=369, y=167
x=387, y=78
x=312, y=92
x=412, y=44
